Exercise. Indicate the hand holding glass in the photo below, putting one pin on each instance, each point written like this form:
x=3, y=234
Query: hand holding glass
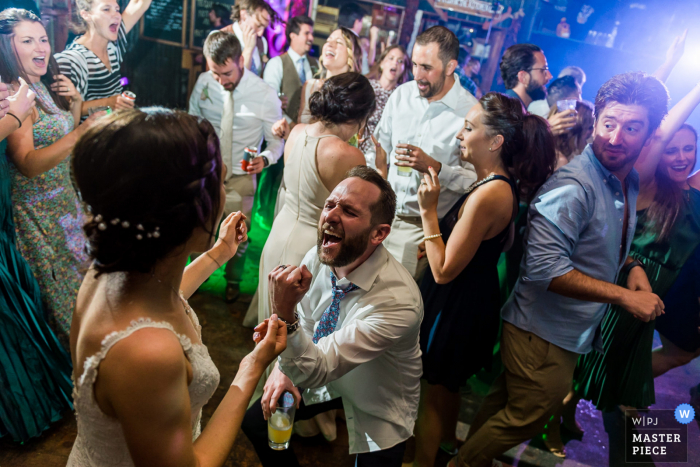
x=566, y=104
x=403, y=171
x=279, y=425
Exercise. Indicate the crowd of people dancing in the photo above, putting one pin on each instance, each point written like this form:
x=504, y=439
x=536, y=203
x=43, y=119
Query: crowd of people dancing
x=380, y=295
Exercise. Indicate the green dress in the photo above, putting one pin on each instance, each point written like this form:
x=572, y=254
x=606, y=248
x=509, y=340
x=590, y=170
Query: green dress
x=621, y=374
x=35, y=371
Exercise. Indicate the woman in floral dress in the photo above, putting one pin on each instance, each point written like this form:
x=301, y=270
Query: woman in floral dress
x=392, y=72
x=47, y=213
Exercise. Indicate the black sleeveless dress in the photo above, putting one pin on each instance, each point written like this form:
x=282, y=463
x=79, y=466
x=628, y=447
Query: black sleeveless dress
x=461, y=318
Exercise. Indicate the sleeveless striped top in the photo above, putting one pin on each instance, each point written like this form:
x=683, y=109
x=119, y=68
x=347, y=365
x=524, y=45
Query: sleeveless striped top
x=91, y=77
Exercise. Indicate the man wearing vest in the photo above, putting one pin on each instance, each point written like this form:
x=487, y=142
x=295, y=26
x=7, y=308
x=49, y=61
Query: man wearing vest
x=288, y=72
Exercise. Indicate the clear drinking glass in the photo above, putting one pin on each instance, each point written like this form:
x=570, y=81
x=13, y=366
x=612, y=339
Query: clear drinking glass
x=566, y=104
x=403, y=171
x=279, y=425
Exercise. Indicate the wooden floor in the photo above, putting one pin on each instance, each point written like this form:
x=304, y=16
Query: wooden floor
x=228, y=343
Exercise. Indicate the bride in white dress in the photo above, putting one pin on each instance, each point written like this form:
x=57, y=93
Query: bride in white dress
x=141, y=371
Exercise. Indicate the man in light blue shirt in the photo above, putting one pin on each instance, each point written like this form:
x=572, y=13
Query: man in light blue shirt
x=580, y=227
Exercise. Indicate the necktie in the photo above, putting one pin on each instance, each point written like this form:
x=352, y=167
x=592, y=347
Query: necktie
x=227, y=128
x=301, y=71
x=329, y=318
x=253, y=68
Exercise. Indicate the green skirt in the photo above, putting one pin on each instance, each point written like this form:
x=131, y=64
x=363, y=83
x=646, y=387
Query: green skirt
x=622, y=375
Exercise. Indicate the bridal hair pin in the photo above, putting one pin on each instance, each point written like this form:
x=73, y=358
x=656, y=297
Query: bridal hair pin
x=101, y=225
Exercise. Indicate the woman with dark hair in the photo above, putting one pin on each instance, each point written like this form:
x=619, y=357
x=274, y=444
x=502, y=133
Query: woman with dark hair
x=93, y=60
x=35, y=371
x=340, y=54
x=393, y=71
x=571, y=143
x=155, y=195
x=460, y=289
x=316, y=158
x=667, y=232
x=46, y=211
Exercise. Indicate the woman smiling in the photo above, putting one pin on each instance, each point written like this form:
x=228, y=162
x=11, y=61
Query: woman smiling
x=46, y=211
x=93, y=60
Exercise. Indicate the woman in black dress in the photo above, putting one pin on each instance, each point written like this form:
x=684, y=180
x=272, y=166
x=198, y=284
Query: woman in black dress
x=460, y=289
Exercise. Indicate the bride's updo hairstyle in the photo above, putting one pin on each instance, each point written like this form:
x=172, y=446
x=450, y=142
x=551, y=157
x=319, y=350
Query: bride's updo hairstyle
x=148, y=178
x=344, y=98
x=528, y=145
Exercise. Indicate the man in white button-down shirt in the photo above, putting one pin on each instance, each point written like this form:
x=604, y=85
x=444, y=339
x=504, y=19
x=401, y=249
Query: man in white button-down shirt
x=360, y=351
x=256, y=108
x=427, y=113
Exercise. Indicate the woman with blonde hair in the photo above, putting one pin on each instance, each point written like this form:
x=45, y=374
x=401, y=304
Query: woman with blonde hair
x=340, y=54
x=93, y=60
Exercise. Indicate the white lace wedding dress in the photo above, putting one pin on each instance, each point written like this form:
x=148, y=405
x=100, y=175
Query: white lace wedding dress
x=100, y=440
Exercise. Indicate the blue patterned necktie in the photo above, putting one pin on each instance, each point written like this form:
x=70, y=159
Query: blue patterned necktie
x=329, y=318
x=301, y=71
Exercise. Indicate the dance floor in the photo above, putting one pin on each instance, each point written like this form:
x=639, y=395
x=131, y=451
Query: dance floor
x=229, y=342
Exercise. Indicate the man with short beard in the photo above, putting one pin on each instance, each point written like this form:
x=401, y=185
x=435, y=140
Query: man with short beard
x=580, y=227
x=427, y=113
x=525, y=74
x=353, y=315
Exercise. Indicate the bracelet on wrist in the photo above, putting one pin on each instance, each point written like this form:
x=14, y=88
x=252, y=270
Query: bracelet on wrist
x=431, y=237
x=631, y=265
x=213, y=259
x=16, y=118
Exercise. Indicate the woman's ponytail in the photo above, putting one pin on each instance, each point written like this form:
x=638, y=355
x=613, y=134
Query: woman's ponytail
x=528, y=145
x=537, y=160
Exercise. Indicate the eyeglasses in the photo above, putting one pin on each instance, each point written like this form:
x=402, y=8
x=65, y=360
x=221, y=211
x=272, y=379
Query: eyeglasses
x=544, y=69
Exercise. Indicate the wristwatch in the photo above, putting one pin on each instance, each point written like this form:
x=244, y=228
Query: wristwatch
x=266, y=161
x=291, y=327
x=633, y=264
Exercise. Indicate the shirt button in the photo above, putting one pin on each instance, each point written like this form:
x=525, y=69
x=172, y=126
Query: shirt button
x=617, y=193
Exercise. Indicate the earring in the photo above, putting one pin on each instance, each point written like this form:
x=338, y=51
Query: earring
x=490, y=149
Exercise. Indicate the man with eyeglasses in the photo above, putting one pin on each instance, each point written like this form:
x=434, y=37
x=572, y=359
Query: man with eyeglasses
x=525, y=73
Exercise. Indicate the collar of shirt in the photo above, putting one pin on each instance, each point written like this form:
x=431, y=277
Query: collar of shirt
x=245, y=81
x=511, y=93
x=364, y=275
x=295, y=56
x=450, y=99
x=608, y=178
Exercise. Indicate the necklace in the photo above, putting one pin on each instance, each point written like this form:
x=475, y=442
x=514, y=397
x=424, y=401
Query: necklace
x=476, y=185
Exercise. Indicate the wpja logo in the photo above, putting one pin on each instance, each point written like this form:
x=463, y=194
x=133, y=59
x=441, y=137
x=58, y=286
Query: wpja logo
x=658, y=435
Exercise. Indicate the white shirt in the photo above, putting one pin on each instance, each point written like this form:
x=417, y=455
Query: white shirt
x=372, y=360
x=539, y=107
x=433, y=127
x=256, y=108
x=256, y=55
x=273, y=70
